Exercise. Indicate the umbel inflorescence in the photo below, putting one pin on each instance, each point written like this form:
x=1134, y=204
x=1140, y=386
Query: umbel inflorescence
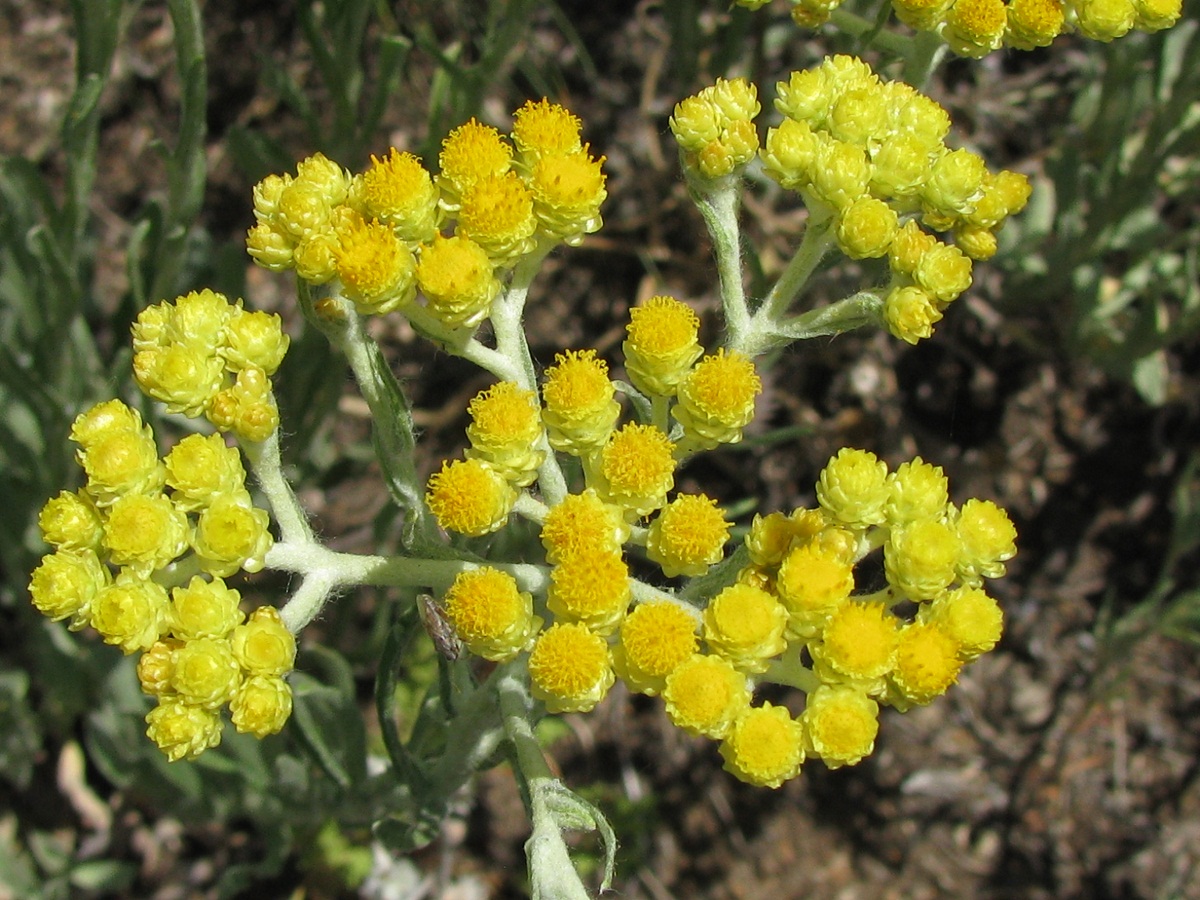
x=975, y=28
x=142, y=551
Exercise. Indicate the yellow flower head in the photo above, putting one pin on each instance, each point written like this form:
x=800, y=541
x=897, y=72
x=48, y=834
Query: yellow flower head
x=254, y=339
x=568, y=189
x=1155, y=15
x=198, y=319
x=263, y=645
x=1034, y=23
x=591, y=586
x=570, y=668
x=582, y=522
x=156, y=667
x=919, y=491
x=580, y=404
x=790, y=153
x=1105, y=20
x=859, y=115
x=927, y=663
x=471, y=152
x=497, y=214
x=205, y=673
x=661, y=345
x=184, y=377
x=924, y=15
x=853, y=488
x=975, y=28
x=130, y=613
x=261, y=705
x=921, y=558
x=910, y=313
x=490, y=614
x=106, y=418
x=716, y=399
x=469, y=496
x=840, y=724
x=956, y=180
x=908, y=246
x=988, y=540
x=399, y=192
x=377, y=270
x=121, y=461
x=969, y=616
x=655, y=638
x=231, y=534
x=247, y=407
x=204, y=609
x=745, y=625
x=866, y=227
x=688, y=536
x=181, y=730
x=545, y=128
x=70, y=521
x=504, y=430
x=65, y=583
x=858, y=646
x=144, y=532
x=765, y=747
x=636, y=469
x=841, y=173
x=812, y=584
x=458, y=281
x=202, y=467
x=705, y=695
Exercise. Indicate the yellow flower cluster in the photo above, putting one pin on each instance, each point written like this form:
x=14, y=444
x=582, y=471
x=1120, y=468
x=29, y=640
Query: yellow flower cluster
x=204, y=356
x=139, y=524
x=871, y=154
x=974, y=28
x=715, y=128
x=396, y=231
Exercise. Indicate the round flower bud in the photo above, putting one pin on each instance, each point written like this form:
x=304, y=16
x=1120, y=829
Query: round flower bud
x=1155, y=15
x=857, y=647
x=490, y=614
x=910, y=313
x=969, y=616
x=469, y=496
x=806, y=96
x=920, y=558
x=716, y=399
x=927, y=663
x=70, y=522
x=988, y=540
x=923, y=15
x=745, y=625
x=64, y=584
x=636, y=468
x=262, y=645
x=181, y=730
x=859, y=115
x=269, y=247
x=866, y=227
x=326, y=176
x=853, y=488
x=266, y=196
x=790, y=153
x=204, y=609
x=580, y=407
x=705, y=695
x=231, y=534
x=399, y=192
x=918, y=491
x=975, y=28
x=765, y=747
x=261, y=706
x=1105, y=20
x=841, y=173
x=688, y=536
x=199, y=320
x=205, y=673
x=315, y=257
x=840, y=724
x=458, y=281
x=254, y=339
x=1033, y=23
x=696, y=122
x=200, y=468
x=121, y=462
x=661, y=345
x=104, y=419
x=570, y=668
x=900, y=165
x=908, y=246
x=655, y=638
x=144, y=532
x=977, y=243
x=582, y=522
x=183, y=377
x=955, y=182
x=156, y=666
x=131, y=614
x=470, y=152
x=590, y=586
x=247, y=407
x=545, y=128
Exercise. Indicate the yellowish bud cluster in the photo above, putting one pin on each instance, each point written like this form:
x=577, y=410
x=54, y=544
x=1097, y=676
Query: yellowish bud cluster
x=715, y=128
x=975, y=28
x=204, y=356
x=871, y=155
x=384, y=235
